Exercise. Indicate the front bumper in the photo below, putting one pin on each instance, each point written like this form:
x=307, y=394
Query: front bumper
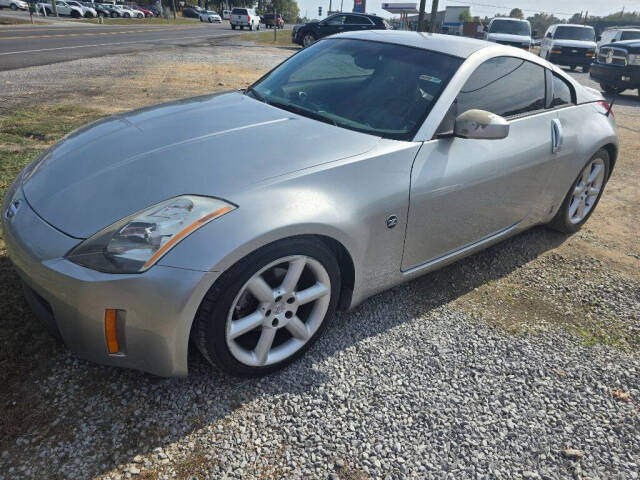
x=570, y=60
x=616, y=76
x=158, y=306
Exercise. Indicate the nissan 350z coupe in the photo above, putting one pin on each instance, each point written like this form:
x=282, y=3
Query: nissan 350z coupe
x=363, y=161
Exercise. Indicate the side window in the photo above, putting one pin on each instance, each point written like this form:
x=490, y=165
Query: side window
x=337, y=20
x=506, y=86
x=562, y=92
x=357, y=20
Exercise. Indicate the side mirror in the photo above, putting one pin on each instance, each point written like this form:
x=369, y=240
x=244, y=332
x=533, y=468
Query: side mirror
x=548, y=35
x=480, y=125
x=613, y=40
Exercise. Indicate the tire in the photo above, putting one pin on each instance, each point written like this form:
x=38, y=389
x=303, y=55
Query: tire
x=258, y=27
x=113, y=15
x=126, y=15
x=572, y=68
x=610, y=88
x=201, y=19
x=586, y=69
x=250, y=26
x=563, y=219
x=308, y=38
x=140, y=15
x=224, y=298
x=75, y=14
x=241, y=27
x=233, y=27
x=14, y=7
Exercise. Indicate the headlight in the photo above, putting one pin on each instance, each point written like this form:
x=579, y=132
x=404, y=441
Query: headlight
x=634, y=59
x=136, y=243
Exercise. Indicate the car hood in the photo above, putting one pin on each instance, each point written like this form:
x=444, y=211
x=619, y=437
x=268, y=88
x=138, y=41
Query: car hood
x=558, y=42
x=507, y=37
x=631, y=46
x=214, y=145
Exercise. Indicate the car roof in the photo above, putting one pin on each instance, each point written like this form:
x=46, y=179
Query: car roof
x=448, y=44
x=509, y=19
x=572, y=25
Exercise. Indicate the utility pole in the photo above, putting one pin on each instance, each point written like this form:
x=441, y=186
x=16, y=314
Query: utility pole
x=329, y=12
x=55, y=8
x=421, y=16
x=586, y=15
x=364, y=6
x=434, y=14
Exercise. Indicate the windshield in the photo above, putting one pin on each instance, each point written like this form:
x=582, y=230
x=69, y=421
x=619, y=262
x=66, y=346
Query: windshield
x=632, y=35
x=510, y=27
x=376, y=88
x=575, y=33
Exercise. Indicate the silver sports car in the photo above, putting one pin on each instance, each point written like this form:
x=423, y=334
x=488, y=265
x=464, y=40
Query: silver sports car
x=239, y=222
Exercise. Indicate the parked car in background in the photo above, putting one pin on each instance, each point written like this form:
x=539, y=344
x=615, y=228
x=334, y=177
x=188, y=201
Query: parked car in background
x=14, y=4
x=210, y=16
x=99, y=8
x=617, y=34
x=569, y=45
x=63, y=8
x=364, y=161
x=147, y=13
x=509, y=31
x=114, y=12
x=308, y=33
x=244, y=17
x=192, y=12
x=130, y=12
x=226, y=14
x=271, y=21
x=155, y=10
x=87, y=12
x=617, y=67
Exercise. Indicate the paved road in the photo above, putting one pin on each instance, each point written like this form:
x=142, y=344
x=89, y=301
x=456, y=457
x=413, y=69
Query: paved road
x=24, y=46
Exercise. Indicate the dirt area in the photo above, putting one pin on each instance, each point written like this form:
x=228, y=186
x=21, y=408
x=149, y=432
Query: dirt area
x=587, y=284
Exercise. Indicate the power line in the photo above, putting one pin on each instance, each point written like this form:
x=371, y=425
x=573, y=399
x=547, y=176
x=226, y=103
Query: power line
x=506, y=8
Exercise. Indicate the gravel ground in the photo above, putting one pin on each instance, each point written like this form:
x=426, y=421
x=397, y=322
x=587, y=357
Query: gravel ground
x=519, y=362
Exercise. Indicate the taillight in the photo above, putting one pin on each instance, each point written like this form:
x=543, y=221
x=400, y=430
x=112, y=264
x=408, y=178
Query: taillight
x=604, y=107
x=248, y=18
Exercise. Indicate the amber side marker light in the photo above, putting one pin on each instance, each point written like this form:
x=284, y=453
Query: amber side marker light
x=111, y=330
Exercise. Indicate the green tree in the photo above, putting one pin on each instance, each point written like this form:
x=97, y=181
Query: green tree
x=576, y=18
x=287, y=8
x=541, y=21
x=516, y=13
x=465, y=16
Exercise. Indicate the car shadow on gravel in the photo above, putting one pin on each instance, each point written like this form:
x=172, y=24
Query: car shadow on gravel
x=52, y=402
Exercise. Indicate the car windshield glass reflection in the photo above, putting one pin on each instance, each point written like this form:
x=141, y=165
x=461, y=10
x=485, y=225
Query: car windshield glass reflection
x=510, y=27
x=575, y=33
x=371, y=87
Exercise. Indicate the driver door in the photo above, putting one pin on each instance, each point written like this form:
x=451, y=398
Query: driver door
x=467, y=191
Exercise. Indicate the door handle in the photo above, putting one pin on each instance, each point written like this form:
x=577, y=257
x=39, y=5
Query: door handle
x=556, y=135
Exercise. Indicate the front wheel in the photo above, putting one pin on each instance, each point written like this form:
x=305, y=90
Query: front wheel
x=233, y=27
x=126, y=15
x=308, y=39
x=14, y=7
x=584, y=194
x=75, y=14
x=269, y=308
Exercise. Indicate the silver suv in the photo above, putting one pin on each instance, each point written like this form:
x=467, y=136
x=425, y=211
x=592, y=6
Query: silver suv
x=244, y=17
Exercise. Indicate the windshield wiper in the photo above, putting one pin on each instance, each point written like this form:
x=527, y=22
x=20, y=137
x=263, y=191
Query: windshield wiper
x=304, y=112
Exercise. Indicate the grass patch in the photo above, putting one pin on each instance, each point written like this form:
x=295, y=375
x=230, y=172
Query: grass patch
x=283, y=38
x=25, y=134
x=143, y=21
x=20, y=21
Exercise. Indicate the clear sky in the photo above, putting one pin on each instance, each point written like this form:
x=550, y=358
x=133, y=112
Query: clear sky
x=560, y=8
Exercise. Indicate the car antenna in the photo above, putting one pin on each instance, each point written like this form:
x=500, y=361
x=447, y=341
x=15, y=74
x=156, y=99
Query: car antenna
x=613, y=100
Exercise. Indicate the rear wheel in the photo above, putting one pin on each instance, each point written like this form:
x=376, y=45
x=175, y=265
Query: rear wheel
x=75, y=14
x=572, y=68
x=584, y=194
x=14, y=7
x=269, y=308
x=233, y=27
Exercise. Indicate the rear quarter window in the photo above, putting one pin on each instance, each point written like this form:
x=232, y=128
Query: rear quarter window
x=562, y=92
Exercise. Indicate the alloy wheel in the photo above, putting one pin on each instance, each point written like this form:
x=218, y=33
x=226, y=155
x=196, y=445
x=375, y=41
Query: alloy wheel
x=307, y=40
x=586, y=190
x=278, y=310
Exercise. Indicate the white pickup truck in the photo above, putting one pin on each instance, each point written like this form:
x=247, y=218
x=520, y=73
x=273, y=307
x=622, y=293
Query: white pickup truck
x=244, y=17
x=63, y=9
x=14, y=4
